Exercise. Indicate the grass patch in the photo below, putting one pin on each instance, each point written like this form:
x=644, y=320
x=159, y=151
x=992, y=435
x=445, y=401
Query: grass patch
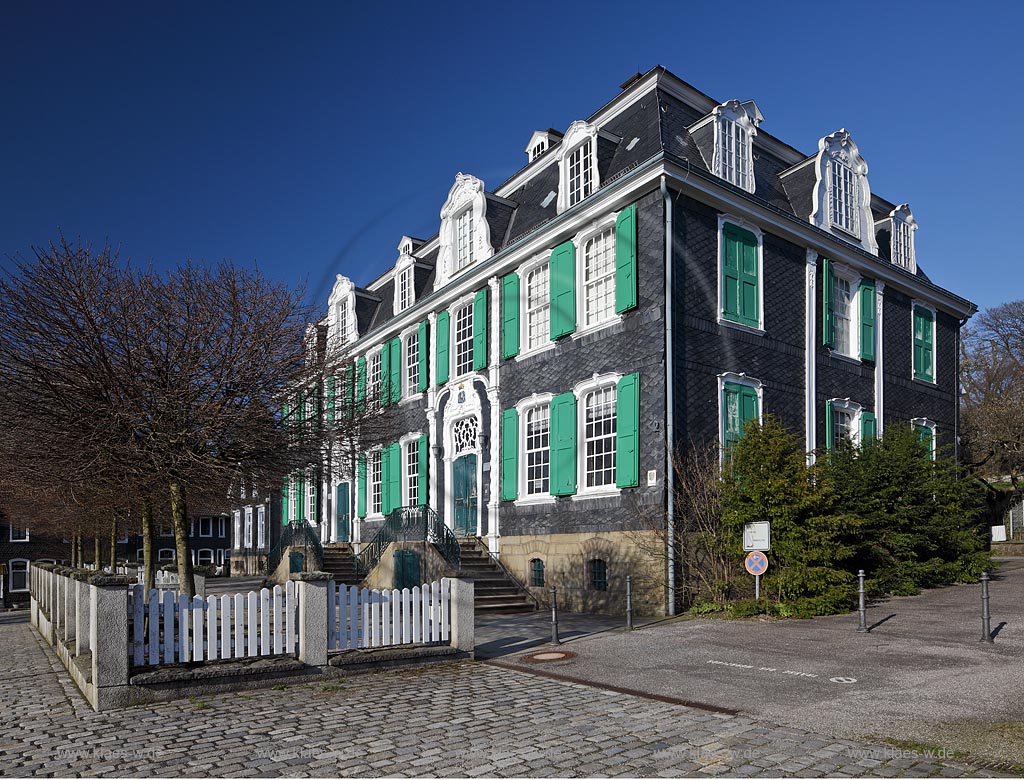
x=331, y=688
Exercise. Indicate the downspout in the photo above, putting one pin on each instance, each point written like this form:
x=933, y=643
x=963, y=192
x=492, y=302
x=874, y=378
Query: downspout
x=957, y=392
x=670, y=472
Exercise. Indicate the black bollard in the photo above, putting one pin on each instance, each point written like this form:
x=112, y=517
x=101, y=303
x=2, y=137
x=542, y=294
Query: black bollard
x=629, y=603
x=554, y=617
x=863, y=627
x=986, y=619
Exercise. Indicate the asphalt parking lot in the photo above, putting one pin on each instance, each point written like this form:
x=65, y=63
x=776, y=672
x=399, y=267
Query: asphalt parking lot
x=921, y=675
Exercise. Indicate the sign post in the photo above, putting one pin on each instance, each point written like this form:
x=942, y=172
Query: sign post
x=756, y=563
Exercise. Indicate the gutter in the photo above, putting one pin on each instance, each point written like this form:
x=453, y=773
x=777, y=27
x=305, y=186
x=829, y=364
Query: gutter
x=670, y=471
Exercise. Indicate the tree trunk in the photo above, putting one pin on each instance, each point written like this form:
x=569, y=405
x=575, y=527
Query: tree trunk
x=113, y=546
x=182, y=543
x=97, y=558
x=74, y=561
x=148, y=545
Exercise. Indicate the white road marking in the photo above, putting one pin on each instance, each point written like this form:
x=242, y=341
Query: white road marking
x=776, y=670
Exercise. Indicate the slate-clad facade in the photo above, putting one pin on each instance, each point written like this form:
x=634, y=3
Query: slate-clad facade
x=654, y=276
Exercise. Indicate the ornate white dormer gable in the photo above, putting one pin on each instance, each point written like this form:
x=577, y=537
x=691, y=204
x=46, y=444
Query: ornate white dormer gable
x=540, y=142
x=902, y=226
x=341, y=316
x=577, y=164
x=405, y=279
x=465, y=235
x=735, y=127
x=842, y=197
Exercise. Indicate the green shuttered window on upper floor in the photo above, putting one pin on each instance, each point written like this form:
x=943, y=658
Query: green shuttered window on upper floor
x=510, y=315
x=866, y=293
x=480, y=330
x=444, y=334
x=423, y=346
x=509, y=455
x=625, y=260
x=740, y=274
x=924, y=344
x=563, y=290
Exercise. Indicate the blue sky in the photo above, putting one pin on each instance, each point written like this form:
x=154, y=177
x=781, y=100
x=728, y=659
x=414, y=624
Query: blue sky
x=309, y=141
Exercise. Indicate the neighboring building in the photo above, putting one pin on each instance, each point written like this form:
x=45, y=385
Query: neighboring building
x=658, y=274
x=20, y=546
x=209, y=534
x=256, y=526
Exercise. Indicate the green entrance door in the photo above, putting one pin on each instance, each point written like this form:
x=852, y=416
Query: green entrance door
x=407, y=569
x=464, y=488
x=341, y=511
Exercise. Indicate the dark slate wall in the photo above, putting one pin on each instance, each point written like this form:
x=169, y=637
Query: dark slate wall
x=635, y=344
x=704, y=348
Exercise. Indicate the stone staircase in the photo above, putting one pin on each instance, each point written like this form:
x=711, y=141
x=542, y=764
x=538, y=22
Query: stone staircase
x=340, y=561
x=495, y=591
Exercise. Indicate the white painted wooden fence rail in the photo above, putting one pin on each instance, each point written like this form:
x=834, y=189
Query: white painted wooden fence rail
x=168, y=628
x=357, y=617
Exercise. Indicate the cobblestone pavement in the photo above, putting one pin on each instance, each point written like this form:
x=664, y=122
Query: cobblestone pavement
x=462, y=719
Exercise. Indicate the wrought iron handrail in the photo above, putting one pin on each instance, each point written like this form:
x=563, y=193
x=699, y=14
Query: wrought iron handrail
x=298, y=533
x=508, y=573
x=409, y=524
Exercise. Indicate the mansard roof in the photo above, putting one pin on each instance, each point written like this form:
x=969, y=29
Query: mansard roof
x=656, y=112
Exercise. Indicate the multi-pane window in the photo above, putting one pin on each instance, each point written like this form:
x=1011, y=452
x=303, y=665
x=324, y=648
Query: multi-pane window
x=464, y=239
x=739, y=406
x=538, y=307
x=19, y=575
x=733, y=159
x=464, y=340
x=373, y=381
x=599, y=435
x=165, y=555
x=206, y=526
x=311, y=497
x=341, y=320
x=373, y=464
x=581, y=174
x=843, y=426
x=412, y=473
x=405, y=289
x=18, y=533
x=924, y=344
x=537, y=573
x=598, y=574
x=843, y=312
x=248, y=528
x=222, y=526
x=237, y=517
x=599, y=278
x=843, y=198
x=412, y=362
x=926, y=435
x=537, y=151
x=538, y=450
x=902, y=244
x=261, y=527
x=206, y=557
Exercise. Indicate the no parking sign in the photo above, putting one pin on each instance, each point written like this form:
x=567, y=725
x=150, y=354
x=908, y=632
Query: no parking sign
x=756, y=563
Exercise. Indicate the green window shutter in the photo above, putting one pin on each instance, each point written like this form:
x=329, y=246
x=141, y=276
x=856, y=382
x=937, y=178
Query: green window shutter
x=424, y=352
x=510, y=315
x=385, y=481
x=284, y=501
x=740, y=276
x=422, y=474
x=360, y=384
x=828, y=304
x=828, y=425
x=740, y=406
x=627, y=431
x=563, y=445
x=396, y=370
x=480, y=330
x=300, y=498
x=867, y=427
x=562, y=290
x=509, y=455
x=300, y=408
x=394, y=476
x=443, y=337
x=330, y=399
x=625, y=260
x=926, y=437
x=923, y=346
x=867, y=320
x=361, y=486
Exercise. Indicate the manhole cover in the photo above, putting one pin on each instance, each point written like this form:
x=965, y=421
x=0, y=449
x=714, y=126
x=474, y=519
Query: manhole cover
x=549, y=655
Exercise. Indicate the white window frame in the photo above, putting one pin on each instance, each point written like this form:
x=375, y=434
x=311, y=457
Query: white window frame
x=261, y=527
x=924, y=422
x=581, y=391
x=522, y=409
x=11, y=572
x=843, y=272
x=463, y=255
x=222, y=526
x=374, y=374
x=731, y=378
x=902, y=227
x=915, y=304
x=166, y=555
x=247, y=528
x=411, y=357
x=580, y=173
x=292, y=498
x=467, y=193
x=463, y=304
x=374, y=504
x=743, y=224
x=205, y=552
x=409, y=447
x=18, y=539
x=593, y=230
x=310, y=504
x=843, y=197
x=405, y=288
x=847, y=406
x=735, y=126
x=208, y=523
x=523, y=272
x=576, y=137
x=236, y=516
x=839, y=149
x=342, y=326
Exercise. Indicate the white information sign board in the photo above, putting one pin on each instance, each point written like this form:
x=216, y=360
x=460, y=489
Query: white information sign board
x=757, y=536
x=999, y=533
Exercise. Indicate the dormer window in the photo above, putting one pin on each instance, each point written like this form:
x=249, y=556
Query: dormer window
x=405, y=289
x=465, y=236
x=577, y=164
x=537, y=150
x=842, y=197
x=463, y=239
x=540, y=142
x=341, y=325
x=341, y=318
x=581, y=173
x=903, y=228
x=735, y=127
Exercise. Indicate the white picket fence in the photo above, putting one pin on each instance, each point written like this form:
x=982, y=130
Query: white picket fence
x=357, y=617
x=238, y=625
